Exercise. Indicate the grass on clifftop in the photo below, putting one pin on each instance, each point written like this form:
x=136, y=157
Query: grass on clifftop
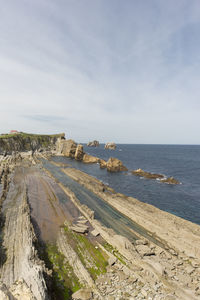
x=30, y=135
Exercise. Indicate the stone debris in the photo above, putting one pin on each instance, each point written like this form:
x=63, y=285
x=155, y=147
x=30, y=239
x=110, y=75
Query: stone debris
x=112, y=260
x=80, y=228
x=82, y=294
x=144, y=250
x=95, y=232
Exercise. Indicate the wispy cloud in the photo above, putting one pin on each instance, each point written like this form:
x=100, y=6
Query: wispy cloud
x=101, y=69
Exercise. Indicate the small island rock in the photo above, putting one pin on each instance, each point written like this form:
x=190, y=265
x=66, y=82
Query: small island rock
x=115, y=165
x=93, y=144
x=140, y=172
x=162, y=178
x=111, y=146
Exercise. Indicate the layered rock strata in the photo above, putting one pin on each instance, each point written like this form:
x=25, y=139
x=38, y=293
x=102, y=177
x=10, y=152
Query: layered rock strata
x=171, y=271
x=27, y=142
x=21, y=260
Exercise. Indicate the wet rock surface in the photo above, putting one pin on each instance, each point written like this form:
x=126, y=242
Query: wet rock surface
x=162, y=178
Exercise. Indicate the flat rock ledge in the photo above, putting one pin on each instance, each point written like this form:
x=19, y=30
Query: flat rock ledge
x=22, y=269
x=82, y=294
x=160, y=177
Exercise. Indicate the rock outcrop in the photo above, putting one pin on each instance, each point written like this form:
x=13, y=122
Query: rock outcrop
x=21, y=260
x=17, y=291
x=25, y=142
x=115, y=165
x=79, y=152
x=89, y=159
x=69, y=148
x=93, y=144
x=160, y=177
x=111, y=146
x=103, y=164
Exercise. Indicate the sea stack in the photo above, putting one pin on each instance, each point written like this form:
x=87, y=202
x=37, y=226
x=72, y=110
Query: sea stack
x=111, y=146
x=93, y=144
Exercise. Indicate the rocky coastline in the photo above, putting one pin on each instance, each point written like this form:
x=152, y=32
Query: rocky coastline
x=83, y=259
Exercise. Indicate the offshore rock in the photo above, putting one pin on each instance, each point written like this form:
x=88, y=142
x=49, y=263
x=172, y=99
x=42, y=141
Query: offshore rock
x=170, y=180
x=89, y=159
x=79, y=152
x=103, y=164
x=162, y=178
x=93, y=144
x=115, y=165
x=140, y=172
x=111, y=146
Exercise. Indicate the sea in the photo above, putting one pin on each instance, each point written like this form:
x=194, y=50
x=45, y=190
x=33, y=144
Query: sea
x=180, y=161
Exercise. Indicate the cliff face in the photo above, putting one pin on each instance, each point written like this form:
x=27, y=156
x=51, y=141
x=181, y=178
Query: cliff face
x=26, y=142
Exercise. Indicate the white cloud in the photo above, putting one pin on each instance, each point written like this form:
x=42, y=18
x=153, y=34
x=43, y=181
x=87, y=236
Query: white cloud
x=98, y=69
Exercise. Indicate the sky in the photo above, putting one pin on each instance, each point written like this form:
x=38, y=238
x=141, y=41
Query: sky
x=126, y=71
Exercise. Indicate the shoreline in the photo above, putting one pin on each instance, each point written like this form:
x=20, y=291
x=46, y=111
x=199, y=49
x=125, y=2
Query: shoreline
x=137, y=268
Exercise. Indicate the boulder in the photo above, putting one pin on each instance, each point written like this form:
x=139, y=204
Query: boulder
x=79, y=228
x=69, y=148
x=93, y=144
x=115, y=165
x=89, y=159
x=112, y=260
x=79, y=152
x=123, y=242
x=95, y=232
x=144, y=250
x=82, y=294
x=141, y=242
x=111, y=146
x=102, y=164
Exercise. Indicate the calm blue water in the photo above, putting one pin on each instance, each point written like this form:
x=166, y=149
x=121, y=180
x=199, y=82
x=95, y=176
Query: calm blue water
x=179, y=161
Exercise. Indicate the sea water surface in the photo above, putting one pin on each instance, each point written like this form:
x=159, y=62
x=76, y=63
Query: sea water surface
x=180, y=161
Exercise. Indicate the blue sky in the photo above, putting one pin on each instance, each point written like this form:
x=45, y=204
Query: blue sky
x=123, y=71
